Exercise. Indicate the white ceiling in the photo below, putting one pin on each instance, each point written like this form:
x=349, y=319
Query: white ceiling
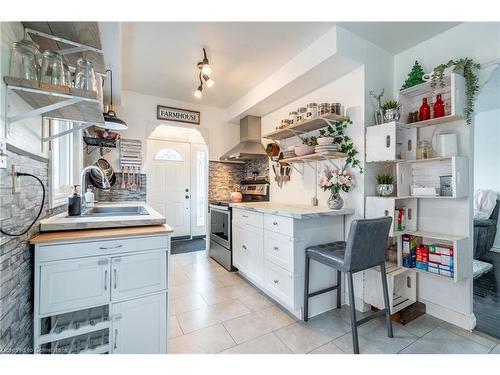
x=160, y=58
x=396, y=37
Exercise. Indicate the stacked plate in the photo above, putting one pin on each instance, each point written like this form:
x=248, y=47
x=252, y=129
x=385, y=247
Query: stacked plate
x=326, y=148
x=289, y=154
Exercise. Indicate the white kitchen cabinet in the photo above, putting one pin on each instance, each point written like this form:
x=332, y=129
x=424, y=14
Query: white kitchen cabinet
x=269, y=250
x=390, y=142
x=138, y=274
x=73, y=284
x=110, y=292
x=138, y=326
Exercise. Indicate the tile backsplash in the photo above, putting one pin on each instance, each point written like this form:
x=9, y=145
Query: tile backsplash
x=116, y=193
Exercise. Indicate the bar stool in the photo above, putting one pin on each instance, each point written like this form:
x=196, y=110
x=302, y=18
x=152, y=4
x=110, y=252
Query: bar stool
x=364, y=249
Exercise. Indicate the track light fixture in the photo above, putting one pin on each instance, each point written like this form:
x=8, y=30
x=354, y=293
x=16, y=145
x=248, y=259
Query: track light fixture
x=203, y=75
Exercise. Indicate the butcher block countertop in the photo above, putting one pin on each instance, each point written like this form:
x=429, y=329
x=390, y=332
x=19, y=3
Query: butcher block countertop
x=91, y=234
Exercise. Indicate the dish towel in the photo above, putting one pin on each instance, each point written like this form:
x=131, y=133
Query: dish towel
x=484, y=203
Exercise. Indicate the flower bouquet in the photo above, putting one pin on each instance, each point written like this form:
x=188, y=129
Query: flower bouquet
x=336, y=180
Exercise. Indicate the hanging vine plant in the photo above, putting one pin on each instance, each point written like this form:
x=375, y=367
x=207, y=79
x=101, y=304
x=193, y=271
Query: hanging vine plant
x=344, y=142
x=467, y=68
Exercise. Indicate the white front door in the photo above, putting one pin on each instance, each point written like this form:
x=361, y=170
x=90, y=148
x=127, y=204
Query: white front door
x=168, y=185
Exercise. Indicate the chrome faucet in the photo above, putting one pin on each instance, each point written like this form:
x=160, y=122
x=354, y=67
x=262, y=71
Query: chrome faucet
x=105, y=182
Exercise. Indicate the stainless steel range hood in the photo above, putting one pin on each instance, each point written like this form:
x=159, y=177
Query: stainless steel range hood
x=250, y=146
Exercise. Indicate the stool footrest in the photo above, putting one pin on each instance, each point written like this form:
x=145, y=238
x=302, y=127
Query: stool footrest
x=370, y=317
x=323, y=291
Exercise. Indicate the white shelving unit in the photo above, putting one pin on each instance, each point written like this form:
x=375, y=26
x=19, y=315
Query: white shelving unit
x=394, y=145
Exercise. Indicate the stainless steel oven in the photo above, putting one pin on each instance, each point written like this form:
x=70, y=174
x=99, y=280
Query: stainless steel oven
x=220, y=234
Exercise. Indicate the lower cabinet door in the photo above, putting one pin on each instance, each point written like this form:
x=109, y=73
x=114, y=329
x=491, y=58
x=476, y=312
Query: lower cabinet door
x=139, y=326
x=254, y=242
x=240, y=255
x=74, y=284
x=138, y=274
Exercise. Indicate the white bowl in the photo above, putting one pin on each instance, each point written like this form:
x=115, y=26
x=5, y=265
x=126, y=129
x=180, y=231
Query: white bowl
x=303, y=150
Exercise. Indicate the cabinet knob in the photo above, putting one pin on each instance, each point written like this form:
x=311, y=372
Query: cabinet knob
x=276, y=248
x=276, y=281
x=243, y=247
x=275, y=223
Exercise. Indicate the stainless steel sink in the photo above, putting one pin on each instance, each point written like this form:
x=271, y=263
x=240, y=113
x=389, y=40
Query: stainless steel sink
x=116, y=211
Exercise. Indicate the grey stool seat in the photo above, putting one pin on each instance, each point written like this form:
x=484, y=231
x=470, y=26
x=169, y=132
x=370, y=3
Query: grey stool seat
x=331, y=254
x=364, y=249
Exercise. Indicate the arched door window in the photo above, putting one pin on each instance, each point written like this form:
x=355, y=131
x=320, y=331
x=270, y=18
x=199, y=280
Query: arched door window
x=168, y=154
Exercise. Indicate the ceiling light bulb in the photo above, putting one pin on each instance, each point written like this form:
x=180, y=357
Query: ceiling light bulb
x=209, y=81
x=198, y=93
x=205, y=69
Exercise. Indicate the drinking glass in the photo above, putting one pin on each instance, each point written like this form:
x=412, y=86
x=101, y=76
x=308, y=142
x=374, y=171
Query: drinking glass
x=24, y=60
x=52, y=68
x=84, y=75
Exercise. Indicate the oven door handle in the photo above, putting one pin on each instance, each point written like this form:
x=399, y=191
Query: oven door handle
x=221, y=209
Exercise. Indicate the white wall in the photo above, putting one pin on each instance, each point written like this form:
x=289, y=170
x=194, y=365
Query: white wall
x=480, y=41
x=347, y=90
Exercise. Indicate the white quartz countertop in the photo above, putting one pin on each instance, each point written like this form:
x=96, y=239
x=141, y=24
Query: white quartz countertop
x=291, y=210
x=64, y=222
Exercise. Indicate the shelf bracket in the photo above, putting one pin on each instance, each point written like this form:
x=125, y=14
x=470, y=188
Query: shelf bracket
x=81, y=126
x=301, y=172
x=78, y=46
x=42, y=110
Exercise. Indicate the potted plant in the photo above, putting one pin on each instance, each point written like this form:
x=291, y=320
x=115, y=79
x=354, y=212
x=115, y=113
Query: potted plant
x=326, y=136
x=307, y=146
x=391, y=110
x=335, y=181
x=385, y=185
x=272, y=149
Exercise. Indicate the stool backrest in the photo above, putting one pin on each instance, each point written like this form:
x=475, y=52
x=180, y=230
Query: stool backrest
x=366, y=243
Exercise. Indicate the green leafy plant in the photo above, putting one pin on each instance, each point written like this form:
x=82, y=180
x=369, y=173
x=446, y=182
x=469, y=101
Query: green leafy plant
x=385, y=179
x=414, y=77
x=310, y=141
x=326, y=132
x=468, y=68
x=391, y=104
x=345, y=143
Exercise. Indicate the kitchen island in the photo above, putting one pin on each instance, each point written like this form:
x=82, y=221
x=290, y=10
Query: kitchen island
x=269, y=242
x=101, y=290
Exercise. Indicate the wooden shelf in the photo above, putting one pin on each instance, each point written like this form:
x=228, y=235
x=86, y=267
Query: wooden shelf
x=305, y=127
x=72, y=39
x=435, y=121
x=432, y=235
x=75, y=105
x=317, y=156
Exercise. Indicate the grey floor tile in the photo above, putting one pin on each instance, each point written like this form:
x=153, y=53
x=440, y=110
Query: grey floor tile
x=256, y=301
x=266, y=344
x=422, y=325
x=469, y=335
x=210, y=315
x=257, y=324
x=300, y=338
x=496, y=350
x=174, y=329
x=228, y=292
x=188, y=303
x=373, y=339
x=329, y=324
x=443, y=341
x=209, y=340
x=329, y=348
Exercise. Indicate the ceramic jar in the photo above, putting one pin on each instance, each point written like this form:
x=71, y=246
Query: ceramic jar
x=385, y=190
x=324, y=108
x=301, y=113
x=312, y=111
x=292, y=118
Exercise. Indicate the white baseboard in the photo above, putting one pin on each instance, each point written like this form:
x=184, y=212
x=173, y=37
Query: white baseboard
x=464, y=321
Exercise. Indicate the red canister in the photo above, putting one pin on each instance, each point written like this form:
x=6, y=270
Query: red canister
x=438, y=107
x=425, y=110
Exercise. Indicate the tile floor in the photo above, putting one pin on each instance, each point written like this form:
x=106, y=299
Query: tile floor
x=214, y=311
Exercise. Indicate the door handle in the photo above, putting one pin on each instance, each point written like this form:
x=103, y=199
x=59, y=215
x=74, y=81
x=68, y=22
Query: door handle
x=115, y=345
x=105, y=279
x=115, y=276
x=110, y=247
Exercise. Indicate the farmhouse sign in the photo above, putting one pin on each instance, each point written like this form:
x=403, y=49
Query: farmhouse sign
x=177, y=114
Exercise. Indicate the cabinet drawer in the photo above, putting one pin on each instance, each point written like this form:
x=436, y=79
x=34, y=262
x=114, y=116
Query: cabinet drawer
x=242, y=217
x=101, y=247
x=279, y=283
x=278, y=248
x=74, y=284
x=139, y=274
x=280, y=224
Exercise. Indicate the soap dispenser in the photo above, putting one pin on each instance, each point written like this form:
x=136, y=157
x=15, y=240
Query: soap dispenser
x=89, y=197
x=74, y=203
